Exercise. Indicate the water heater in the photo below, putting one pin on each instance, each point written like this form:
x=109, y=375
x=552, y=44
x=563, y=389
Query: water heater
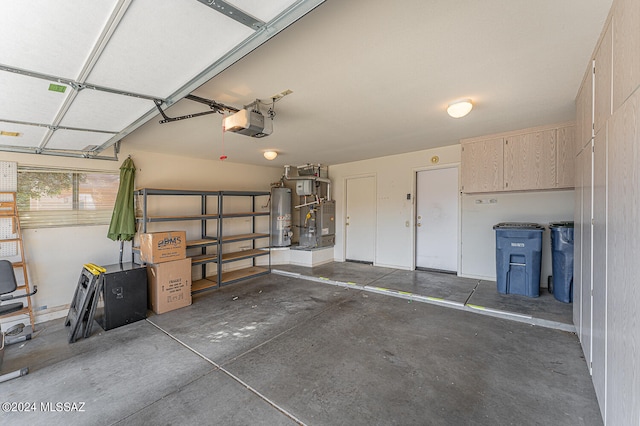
x=281, y=217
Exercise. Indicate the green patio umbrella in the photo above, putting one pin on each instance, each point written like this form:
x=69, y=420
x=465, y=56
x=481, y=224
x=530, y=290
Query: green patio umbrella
x=123, y=220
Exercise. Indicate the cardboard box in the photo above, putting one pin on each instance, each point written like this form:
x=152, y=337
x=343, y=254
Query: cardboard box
x=169, y=285
x=158, y=247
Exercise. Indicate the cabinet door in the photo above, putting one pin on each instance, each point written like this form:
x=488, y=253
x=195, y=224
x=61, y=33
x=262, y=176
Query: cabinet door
x=623, y=267
x=577, y=246
x=599, y=264
x=602, y=83
x=482, y=166
x=626, y=50
x=586, y=158
x=530, y=161
x=584, y=111
x=566, y=158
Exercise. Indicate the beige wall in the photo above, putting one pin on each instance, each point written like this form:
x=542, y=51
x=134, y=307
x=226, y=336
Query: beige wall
x=55, y=255
x=478, y=236
x=395, y=178
x=395, y=242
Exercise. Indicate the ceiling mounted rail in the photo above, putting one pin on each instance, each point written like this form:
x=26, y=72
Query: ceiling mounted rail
x=51, y=127
x=76, y=85
x=62, y=153
x=215, y=108
x=234, y=13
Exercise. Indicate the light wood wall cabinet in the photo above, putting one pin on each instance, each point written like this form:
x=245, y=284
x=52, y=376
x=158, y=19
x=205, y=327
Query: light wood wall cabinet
x=482, y=169
x=565, y=157
x=528, y=160
x=607, y=218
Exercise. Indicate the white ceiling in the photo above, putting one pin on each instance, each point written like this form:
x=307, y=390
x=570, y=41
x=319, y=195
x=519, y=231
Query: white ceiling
x=369, y=78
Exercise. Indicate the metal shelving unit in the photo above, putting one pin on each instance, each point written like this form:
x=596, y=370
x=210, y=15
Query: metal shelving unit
x=220, y=241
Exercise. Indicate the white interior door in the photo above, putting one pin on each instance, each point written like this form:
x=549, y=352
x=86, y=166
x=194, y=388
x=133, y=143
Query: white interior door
x=437, y=219
x=360, y=234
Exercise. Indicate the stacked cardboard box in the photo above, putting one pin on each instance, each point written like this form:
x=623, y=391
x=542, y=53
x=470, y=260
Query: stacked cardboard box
x=168, y=270
x=158, y=247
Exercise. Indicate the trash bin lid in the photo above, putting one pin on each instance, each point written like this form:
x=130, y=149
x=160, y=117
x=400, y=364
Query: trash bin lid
x=518, y=225
x=565, y=224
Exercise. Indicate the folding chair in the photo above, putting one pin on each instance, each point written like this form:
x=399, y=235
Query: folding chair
x=8, y=285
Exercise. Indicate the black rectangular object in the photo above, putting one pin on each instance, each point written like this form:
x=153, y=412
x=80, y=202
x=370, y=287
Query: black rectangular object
x=123, y=295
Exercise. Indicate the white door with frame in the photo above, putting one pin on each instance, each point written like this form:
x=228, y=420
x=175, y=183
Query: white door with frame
x=360, y=221
x=437, y=200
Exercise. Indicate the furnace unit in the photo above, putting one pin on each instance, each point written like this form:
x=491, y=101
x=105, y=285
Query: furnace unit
x=317, y=225
x=315, y=208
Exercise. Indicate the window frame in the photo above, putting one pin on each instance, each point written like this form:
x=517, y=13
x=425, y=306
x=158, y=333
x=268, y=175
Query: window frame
x=76, y=216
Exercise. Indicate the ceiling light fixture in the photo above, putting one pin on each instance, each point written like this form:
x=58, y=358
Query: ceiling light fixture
x=460, y=108
x=270, y=155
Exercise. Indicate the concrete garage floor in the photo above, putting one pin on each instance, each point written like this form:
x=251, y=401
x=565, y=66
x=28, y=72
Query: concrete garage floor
x=284, y=350
x=440, y=288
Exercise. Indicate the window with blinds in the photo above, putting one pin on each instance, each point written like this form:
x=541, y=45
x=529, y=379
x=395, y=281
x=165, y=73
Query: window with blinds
x=49, y=197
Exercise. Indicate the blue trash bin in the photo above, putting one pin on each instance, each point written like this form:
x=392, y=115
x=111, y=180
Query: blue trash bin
x=518, y=258
x=562, y=260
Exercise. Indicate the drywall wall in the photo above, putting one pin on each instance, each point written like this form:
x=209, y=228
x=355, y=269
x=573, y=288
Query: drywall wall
x=55, y=255
x=395, y=178
x=480, y=212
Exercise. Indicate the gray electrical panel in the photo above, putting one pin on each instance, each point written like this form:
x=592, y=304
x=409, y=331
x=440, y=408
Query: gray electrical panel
x=304, y=187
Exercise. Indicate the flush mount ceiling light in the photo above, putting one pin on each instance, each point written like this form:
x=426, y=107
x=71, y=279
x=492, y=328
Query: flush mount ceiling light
x=270, y=155
x=459, y=108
